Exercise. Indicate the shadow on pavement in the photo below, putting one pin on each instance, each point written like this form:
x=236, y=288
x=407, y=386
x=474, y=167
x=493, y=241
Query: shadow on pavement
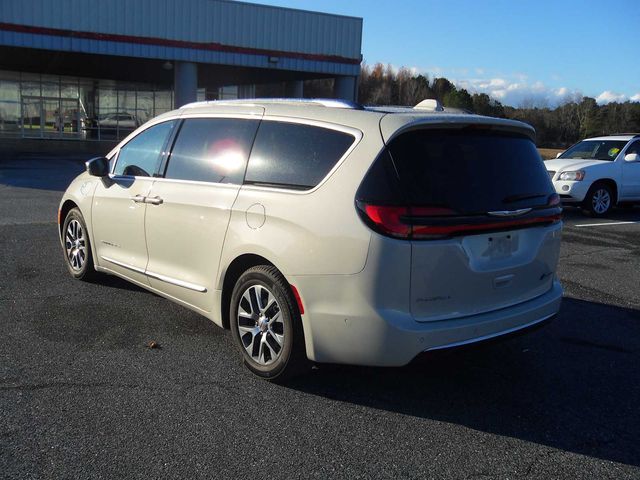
x=111, y=281
x=629, y=213
x=44, y=173
x=572, y=386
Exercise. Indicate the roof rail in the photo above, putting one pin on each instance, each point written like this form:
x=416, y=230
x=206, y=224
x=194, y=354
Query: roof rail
x=324, y=102
x=635, y=135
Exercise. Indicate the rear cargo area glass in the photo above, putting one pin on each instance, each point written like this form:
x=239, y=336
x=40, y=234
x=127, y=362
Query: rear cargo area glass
x=470, y=172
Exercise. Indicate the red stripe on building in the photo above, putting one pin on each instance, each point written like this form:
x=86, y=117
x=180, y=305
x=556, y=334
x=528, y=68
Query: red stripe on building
x=166, y=42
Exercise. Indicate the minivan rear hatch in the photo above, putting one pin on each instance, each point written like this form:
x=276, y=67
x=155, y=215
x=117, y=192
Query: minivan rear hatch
x=480, y=211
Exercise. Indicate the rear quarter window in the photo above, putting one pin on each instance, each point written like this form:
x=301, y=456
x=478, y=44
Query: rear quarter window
x=293, y=155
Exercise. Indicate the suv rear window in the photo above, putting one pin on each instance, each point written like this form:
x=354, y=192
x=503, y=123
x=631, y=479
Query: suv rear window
x=293, y=155
x=470, y=172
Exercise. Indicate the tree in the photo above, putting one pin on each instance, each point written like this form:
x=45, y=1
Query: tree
x=442, y=86
x=458, y=99
x=575, y=118
x=483, y=104
x=587, y=113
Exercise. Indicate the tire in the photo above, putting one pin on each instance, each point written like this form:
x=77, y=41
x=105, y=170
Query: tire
x=266, y=325
x=599, y=200
x=77, y=247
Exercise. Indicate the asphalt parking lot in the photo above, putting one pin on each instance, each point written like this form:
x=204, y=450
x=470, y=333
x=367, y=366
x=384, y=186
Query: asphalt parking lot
x=82, y=397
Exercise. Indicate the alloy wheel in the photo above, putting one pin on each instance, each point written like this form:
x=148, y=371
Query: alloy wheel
x=601, y=200
x=260, y=324
x=75, y=245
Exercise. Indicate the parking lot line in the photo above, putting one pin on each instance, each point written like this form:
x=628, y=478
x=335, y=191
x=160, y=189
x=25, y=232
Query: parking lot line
x=604, y=224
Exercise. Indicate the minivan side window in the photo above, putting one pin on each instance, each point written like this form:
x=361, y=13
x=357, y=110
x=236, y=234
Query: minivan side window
x=293, y=155
x=212, y=150
x=140, y=157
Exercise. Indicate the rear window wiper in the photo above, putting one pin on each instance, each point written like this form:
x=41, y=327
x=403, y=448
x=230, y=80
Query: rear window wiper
x=523, y=196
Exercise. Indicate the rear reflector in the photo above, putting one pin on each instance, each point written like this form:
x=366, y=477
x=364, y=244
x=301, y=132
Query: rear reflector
x=298, y=299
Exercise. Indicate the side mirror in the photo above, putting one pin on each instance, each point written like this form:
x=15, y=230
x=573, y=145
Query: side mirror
x=558, y=154
x=631, y=157
x=98, y=167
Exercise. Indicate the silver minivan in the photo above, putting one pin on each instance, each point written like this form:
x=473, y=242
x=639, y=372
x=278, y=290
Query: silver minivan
x=322, y=231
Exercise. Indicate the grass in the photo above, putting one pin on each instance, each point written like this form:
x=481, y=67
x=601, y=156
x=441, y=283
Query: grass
x=548, y=153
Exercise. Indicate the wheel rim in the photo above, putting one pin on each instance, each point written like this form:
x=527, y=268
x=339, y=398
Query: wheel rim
x=601, y=200
x=76, y=245
x=260, y=325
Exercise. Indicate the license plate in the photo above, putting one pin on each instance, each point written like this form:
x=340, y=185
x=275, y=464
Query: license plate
x=500, y=246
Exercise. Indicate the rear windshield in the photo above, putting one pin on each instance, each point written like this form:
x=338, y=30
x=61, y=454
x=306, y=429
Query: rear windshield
x=595, y=150
x=470, y=171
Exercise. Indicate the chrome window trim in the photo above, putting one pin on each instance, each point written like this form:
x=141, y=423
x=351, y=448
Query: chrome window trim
x=194, y=182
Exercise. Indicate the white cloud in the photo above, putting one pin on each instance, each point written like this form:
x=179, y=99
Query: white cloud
x=516, y=90
x=608, y=96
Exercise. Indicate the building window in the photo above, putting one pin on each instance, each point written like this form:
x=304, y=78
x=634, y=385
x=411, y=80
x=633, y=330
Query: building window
x=10, y=104
x=60, y=107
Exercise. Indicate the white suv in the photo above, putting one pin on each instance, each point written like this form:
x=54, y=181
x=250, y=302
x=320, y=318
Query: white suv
x=598, y=173
x=324, y=231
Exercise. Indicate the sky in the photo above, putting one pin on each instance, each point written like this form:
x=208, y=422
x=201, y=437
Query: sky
x=518, y=51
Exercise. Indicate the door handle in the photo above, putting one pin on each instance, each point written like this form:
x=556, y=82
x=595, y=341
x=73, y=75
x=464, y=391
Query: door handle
x=138, y=198
x=154, y=200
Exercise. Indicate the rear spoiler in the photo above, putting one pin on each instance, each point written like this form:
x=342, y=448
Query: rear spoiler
x=394, y=124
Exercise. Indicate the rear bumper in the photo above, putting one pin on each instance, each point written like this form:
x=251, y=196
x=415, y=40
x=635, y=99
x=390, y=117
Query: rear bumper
x=349, y=330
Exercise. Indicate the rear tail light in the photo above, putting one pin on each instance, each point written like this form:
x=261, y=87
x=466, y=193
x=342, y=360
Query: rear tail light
x=437, y=222
x=386, y=219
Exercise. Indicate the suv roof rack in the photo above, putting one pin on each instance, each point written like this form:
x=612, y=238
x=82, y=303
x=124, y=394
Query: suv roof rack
x=324, y=102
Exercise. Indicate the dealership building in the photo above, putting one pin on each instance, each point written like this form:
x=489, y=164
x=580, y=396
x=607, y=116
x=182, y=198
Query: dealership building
x=96, y=69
